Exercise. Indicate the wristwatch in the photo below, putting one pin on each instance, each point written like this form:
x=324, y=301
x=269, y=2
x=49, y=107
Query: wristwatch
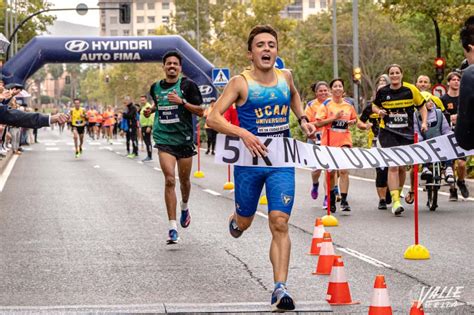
x=183, y=101
x=301, y=118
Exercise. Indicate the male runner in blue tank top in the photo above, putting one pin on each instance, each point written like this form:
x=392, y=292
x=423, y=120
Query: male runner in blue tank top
x=263, y=96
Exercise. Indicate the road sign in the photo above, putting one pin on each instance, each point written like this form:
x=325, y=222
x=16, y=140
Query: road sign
x=220, y=76
x=438, y=90
x=279, y=63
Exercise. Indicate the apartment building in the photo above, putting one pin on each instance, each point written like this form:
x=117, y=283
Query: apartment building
x=146, y=17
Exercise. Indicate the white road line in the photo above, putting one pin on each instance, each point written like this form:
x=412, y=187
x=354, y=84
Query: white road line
x=117, y=152
x=139, y=162
x=95, y=143
x=96, y=166
x=52, y=149
x=70, y=143
x=363, y=257
x=7, y=171
x=212, y=192
x=49, y=143
x=27, y=149
x=263, y=215
x=157, y=169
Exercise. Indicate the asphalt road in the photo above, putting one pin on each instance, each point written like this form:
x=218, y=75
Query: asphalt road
x=89, y=234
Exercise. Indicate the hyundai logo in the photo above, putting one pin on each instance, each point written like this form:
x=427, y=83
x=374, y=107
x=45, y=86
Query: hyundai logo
x=76, y=45
x=205, y=89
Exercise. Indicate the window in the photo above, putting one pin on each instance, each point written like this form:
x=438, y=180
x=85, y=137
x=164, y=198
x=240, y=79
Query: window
x=151, y=19
x=140, y=32
x=151, y=32
x=165, y=5
x=113, y=20
x=126, y=32
x=151, y=5
x=113, y=32
x=165, y=19
x=140, y=6
x=140, y=19
x=323, y=4
x=312, y=4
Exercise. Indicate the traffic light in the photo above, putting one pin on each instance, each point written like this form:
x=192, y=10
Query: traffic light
x=357, y=75
x=440, y=64
x=124, y=15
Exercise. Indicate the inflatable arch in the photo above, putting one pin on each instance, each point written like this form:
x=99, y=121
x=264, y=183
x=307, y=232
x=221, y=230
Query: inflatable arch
x=52, y=49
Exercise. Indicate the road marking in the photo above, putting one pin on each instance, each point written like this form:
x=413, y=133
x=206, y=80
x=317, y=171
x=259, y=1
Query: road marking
x=139, y=162
x=94, y=143
x=52, y=149
x=212, y=192
x=27, y=149
x=117, y=152
x=96, y=166
x=157, y=169
x=49, y=143
x=69, y=143
x=363, y=257
x=7, y=171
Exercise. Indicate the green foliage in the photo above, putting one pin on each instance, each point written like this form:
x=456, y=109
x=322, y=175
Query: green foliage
x=359, y=137
x=45, y=99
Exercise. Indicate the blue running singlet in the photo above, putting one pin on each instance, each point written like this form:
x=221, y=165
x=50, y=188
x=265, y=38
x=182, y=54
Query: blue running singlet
x=265, y=113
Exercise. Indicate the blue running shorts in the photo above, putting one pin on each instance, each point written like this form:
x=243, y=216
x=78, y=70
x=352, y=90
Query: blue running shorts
x=279, y=185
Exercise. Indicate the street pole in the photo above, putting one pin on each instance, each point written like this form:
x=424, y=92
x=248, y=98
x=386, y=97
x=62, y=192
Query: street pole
x=355, y=48
x=334, y=40
x=198, y=35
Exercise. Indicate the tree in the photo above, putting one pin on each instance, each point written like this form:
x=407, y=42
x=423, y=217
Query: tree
x=34, y=26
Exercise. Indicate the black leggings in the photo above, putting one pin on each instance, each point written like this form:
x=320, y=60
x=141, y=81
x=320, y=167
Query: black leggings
x=132, y=136
x=211, y=139
x=381, y=177
x=147, y=139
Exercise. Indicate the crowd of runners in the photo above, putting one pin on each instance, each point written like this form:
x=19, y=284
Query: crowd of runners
x=257, y=103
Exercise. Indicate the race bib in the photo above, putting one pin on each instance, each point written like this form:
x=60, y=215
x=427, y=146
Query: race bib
x=168, y=114
x=340, y=125
x=397, y=120
x=78, y=122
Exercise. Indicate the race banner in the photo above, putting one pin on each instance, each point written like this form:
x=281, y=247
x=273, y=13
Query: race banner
x=288, y=152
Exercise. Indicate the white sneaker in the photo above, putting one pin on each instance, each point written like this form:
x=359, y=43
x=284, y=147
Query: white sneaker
x=449, y=175
x=426, y=174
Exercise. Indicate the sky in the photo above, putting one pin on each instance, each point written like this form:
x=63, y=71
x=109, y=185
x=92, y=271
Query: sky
x=90, y=19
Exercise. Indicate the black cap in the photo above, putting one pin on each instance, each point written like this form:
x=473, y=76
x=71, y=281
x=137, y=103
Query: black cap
x=14, y=86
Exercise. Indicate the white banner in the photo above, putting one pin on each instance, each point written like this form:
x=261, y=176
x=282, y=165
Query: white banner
x=288, y=152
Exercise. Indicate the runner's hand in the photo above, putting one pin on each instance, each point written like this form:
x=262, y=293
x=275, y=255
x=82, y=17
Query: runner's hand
x=339, y=114
x=254, y=145
x=424, y=127
x=352, y=122
x=174, y=98
x=308, y=128
x=59, y=118
x=382, y=113
x=368, y=125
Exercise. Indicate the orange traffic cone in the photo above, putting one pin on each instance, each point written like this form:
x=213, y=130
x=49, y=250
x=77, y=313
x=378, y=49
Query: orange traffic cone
x=326, y=256
x=338, y=289
x=417, y=309
x=318, y=233
x=380, y=304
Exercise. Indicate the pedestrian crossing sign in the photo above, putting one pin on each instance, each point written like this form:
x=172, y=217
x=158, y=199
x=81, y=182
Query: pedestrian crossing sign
x=220, y=76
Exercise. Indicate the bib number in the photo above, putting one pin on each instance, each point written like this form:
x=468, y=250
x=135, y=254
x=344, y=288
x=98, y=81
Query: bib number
x=339, y=125
x=397, y=120
x=168, y=114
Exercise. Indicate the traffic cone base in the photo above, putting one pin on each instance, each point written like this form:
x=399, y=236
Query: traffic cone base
x=199, y=174
x=417, y=252
x=330, y=220
x=263, y=200
x=417, y=309
x=229, y=186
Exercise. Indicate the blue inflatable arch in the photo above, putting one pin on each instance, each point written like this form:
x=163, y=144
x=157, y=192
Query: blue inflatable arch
x=51, y=49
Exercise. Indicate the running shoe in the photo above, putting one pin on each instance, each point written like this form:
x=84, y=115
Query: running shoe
x=345, y=206
x=463, y=188
x=397, y=208
x=173, y=237
x=388, y=197
x=314, y=192
x=185, y=219
x=453, y=194
x=449, y=175
x=78, y=155
x=382, y=204
x=426, y=174
x=132, y=156
x=80, y=150
x=234, y=228
x=147, y=159
x=281, y=300
x=325, y=202
x=333, y=208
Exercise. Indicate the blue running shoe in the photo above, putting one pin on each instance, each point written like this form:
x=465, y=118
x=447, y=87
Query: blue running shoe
x=233, y=228
x=172, y=237
x=281, y=300
x=185, y=219
x=314, y=192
